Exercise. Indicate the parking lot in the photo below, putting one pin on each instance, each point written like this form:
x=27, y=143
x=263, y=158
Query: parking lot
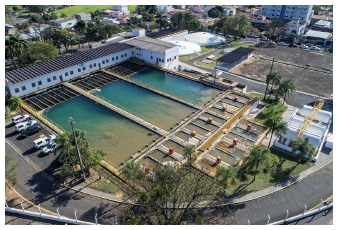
x=47, y=163
x=308, y=70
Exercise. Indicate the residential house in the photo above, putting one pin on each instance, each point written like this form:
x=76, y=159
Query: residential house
x=260, y=22
x=36, y=29
x=9, y=29
x=253, y=11
x=322, y=38
x=287, y=12
x=121, y=7
x=199, y=9
x=317, y=18
x=165, y=8
x=109, y=12
x=208, y=9
x=229, y=11
x=234, y=58
x=64, y=23
x=323, y=25
x=295, y=26
x=83, y=16
x=254, y=32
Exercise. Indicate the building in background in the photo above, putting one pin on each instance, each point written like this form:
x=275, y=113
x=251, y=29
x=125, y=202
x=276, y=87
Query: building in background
x=165, y=8
x=83, y=16
x=295, y=26
x=9, y=29
x=121, y=7
x=287, y=12
x=228, y=11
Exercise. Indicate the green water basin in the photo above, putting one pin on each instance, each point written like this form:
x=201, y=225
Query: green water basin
x=161, y=157
x=176, y=147
x=184, y=87
x=244, y=133
x=244, y=99
x=221, y=112
x=205, y=124
x=232, y=102
x=215, y=118
x=106, y=130
x=232, y=136
x=238, y=153
x=196, y=128
x=183, y=135
x=147, y=161
x=224, y=156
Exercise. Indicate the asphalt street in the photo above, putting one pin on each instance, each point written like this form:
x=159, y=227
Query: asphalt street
x=322, y=218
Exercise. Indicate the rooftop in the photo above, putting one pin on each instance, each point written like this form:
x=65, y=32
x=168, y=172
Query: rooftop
x=318, y=34
x=235, y=55
x=64, y=20
x=150, y=44
x=36, y=70
x=82, y=14
x=164, y=32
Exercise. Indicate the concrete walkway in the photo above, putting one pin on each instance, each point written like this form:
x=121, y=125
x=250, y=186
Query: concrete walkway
x=324, y=159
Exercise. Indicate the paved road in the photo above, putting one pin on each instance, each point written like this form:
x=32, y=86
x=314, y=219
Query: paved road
x=322, y=218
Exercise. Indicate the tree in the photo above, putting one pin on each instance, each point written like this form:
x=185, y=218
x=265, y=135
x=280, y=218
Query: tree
x=196, y=25
x=63, y=15
x=8, y=11
x=177, y=6
x=53, y=16
x=275, y=77
x=275, y=124
x=181, y=18
x=277, y=26
x=287, y=86
x=275, y=161
x=162, y=21
x=42, y=51
x=242, y=24
x=96, y=158
x=305, y=149
x=37, y=19
x=188, y=17
x=219, y=8
x=14, y=103
x=316, y=9
x=10, y=50
x=190, y=153
x=223, y=174
x=11, y=174
x=112, y=29
x=154, y=26
x=180, y=188
x=140, y=9
x=257, y=156
x=214, y=13
x=36, y=8
x=23, y=26
x=153, y=9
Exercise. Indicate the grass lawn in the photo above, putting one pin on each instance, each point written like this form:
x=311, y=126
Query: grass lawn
x=233, y=41
x=105, y=185
x=271, y=102
x=286, y=169
x=9, y=116
x=205, y=49
x=132, y=8
x=211, y=65
x=9, y=19
x=70, y=11
x=246, y=46
x=187, y=57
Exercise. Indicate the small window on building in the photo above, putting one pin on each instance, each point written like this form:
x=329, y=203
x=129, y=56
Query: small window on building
x=48, y=80
x=151, y=57
x=103, y=62
x=112, y=59
x=39, y=82
x=116, y=57
x=71, y=72
x=66, y=74
x=126, y=55
x=107, y=60
x=122, y=56
x=83, y=68
x=133, y=52
x=23, y=88
x=33, y=84
x=79, y=69
x=54, y=78
x=90, y=66
x=168, y=60
x=94, y=64
x=16, y=90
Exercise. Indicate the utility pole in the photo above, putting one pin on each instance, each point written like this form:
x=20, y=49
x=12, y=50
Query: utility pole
x=265, y=93
x=78, y=150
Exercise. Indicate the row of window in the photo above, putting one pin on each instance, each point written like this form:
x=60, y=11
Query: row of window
x=71, y=72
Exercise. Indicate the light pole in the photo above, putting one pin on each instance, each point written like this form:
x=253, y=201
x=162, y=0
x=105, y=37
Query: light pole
x=78, y=150
x=326, y=81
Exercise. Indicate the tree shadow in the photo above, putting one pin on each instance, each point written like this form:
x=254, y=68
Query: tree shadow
x=103, y=211
x=29, y=151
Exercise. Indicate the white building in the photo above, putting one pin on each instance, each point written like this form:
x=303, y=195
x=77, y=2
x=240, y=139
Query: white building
x=228, y=11
x=165, y=8
x=296, y=26
x=28, y=79
x=120, y=7
x=303, y=12
x=317, y=131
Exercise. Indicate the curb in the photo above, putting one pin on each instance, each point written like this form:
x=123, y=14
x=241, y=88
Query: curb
x=219, y=205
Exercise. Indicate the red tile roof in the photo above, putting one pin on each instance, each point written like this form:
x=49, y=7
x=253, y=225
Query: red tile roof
x=252, y=10
x=254, y=30
x=124, y=16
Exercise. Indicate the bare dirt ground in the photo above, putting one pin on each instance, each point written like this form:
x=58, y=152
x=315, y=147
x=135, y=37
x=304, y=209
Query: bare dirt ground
x=309, y=75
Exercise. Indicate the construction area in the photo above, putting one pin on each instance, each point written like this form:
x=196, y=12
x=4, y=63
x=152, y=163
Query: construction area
x=301, y=66
x=219, y=128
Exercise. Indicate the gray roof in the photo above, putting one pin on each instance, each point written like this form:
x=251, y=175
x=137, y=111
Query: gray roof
x=65, y=20
x=235, y=55
x=33, y=71
x=82, y=14
x=150, y=44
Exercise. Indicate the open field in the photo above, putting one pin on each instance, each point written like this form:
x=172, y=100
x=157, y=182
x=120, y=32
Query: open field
x=70, y=11
x=308, y=70
x=246, y=46
x=187, y=57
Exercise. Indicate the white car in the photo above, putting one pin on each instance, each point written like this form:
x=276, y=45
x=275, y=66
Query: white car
x=20, y=118
x=49, y=148
x=282, y=44
x=43, y=141
x=303, y=46
x=316, y=48
x=270, y=41
x=24, y=125
x=264, y=39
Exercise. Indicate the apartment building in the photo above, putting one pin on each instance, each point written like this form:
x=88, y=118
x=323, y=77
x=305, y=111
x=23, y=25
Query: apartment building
x=287, y=12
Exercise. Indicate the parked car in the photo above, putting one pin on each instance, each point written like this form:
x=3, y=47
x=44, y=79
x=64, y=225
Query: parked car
x=282, y=44
x=31, y=130
x=229, y=36
x=271, y=42
x=237, y=37
x=20, y=118
x=49, y=148
x=293, y=45
x=309, y=44
x=62, y=52
x=303, y=46
x=264, y=39
x=243, y=36
x=306, y=48
x=24, y=125
x=43, y=141
x=315, y=48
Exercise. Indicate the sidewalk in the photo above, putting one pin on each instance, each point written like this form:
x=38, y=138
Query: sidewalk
x=324, y=159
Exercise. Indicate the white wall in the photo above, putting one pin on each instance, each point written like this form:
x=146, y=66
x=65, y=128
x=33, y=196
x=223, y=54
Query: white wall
x=43, y=78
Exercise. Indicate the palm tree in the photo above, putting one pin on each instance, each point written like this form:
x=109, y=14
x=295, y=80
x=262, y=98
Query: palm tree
x=66, y=149
x=95, y=159
x=256, y=157
x=305, y=148
x=14, y=103
x=19, y=43
x=190, y=153
x=274, y=160
x=275, y=124
x=286, y=86
x=10, y=49
x=181, y=19
x=275, y=77
x=188, y=18
x=161, y=20
x=223, y=174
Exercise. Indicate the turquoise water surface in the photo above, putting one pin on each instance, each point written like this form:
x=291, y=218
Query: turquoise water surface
x=178, y=85
x=147, y=103
x=106, y=130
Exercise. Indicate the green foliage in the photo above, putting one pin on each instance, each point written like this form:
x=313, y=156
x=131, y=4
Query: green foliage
x=275, y=124
x=96, y=158
x=214, y=13
x=287, y=86
x=277, y=26
x=190, y=153
x=36, y=18
x=274, y=161
x=305, y=148
x=316, y=9
x=223, y=174
x=80, y=27
x=41, y=51
x=11, y=173
x=63, y=15
x=196, y=25
x=258, y=155
x=14, y=103
x=8, y=11
x=36, y=8
x=23, y=25
x=154, y=26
